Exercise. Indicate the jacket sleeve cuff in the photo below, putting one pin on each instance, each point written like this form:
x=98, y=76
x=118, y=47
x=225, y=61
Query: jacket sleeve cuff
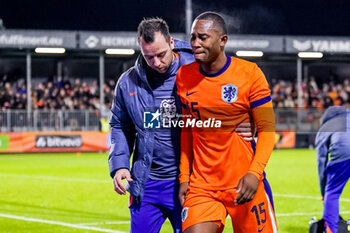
x=184, y=178
x=117, y=162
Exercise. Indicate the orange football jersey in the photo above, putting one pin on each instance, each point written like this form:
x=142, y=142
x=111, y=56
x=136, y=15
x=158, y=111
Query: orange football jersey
x=216, y=157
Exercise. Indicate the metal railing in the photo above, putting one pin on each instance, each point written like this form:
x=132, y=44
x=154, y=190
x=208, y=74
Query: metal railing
x=46, y=120
x=300, y=121
x=307, y=120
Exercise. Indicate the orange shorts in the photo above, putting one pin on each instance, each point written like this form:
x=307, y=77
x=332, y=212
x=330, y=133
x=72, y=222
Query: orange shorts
x=213, y=206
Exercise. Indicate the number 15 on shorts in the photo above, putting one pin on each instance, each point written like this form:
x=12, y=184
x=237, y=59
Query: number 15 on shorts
x=260, y=213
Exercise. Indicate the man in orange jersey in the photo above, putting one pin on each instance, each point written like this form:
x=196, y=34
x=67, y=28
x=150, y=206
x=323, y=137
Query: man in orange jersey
x=220, y=173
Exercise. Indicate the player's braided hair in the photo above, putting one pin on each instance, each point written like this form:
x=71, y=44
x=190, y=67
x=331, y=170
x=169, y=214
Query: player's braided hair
x=216, y=18
x=149, y=26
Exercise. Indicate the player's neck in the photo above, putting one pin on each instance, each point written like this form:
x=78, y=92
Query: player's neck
x=216, y=65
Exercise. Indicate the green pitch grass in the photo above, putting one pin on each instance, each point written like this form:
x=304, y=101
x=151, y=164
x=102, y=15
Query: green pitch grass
x=73, y=193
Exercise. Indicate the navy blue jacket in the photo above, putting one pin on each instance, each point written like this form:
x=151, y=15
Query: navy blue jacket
x=133, y=95
x=332, y=141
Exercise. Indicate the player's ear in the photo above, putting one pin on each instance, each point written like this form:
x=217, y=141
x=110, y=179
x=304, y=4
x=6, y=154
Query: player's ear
x=223, y=40
x=171, y=43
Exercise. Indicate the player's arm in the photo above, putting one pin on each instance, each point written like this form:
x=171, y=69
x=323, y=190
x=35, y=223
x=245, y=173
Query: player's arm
x=122, y=141
x=265, y=122
x=186, y=156
x=322, y=141
x=263, y=116
x=185, y=159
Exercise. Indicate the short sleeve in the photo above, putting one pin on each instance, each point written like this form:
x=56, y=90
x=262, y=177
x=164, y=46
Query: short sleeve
x=259, y=91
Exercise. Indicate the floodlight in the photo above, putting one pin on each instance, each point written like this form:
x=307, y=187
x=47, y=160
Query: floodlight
x=50, y=50
x=120, y=51
x=310, y=54
x=242, y=53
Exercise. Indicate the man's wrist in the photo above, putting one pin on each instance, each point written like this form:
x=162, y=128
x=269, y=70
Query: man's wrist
x=257, y=175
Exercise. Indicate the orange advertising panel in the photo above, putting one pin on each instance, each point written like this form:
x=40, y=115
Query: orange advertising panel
x=285, y=139
x=11, y=142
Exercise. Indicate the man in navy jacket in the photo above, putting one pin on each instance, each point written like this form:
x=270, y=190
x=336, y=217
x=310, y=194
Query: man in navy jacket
x=145, y=96
x=333, y=161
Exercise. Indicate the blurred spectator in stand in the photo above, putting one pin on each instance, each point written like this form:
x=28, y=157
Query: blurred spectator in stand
x=333, y=93
x=328, y=101
x=289, y=102
x=94, y=89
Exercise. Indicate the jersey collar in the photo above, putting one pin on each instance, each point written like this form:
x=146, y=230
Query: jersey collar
x=222, y=70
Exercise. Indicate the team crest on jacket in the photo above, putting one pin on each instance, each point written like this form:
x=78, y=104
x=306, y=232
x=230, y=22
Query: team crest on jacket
x=229, y=93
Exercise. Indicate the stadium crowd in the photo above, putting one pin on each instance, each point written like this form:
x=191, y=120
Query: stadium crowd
x=77, y=94
x=317, y=96
x=53, y=94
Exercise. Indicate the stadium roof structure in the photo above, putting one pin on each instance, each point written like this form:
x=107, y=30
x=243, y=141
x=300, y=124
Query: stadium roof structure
x=96, y=41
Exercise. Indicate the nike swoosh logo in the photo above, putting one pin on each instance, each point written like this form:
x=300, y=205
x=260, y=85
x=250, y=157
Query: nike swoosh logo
x=187, y=94
x=132, y=93
x=260, y=230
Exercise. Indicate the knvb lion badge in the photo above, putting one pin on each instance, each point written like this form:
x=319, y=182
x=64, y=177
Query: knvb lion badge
x=229, y=93
x=151, y=120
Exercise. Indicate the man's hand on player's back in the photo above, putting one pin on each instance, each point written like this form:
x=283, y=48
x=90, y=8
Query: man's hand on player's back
x=246, y=130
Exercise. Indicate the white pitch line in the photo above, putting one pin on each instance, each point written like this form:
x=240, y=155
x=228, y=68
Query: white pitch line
x=304, y=197
x=296, y=196
x=57, y=178
x=305, y=214
x=105, y=223
x=58, y=223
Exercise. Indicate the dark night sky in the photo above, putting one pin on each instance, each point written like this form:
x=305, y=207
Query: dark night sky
x=283, y=17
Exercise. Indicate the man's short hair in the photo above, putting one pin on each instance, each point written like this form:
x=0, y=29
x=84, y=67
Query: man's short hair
x=149, y=26
x=216, y=18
